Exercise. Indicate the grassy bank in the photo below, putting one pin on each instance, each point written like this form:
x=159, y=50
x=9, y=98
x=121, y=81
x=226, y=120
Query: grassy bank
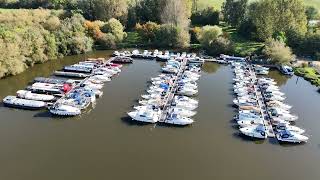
x=243, y=47
x=310, y=74
x=218, y=3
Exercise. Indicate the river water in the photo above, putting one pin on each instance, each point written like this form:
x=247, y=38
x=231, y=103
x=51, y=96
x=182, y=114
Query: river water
x=103, y=144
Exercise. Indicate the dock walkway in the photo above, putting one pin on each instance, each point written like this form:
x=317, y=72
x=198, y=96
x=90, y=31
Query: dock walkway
x=263, y=108
x=167, y=101
x=81, y=82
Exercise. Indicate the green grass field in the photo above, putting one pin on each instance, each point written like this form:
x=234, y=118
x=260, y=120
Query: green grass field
x=217, y=3
x=243, y=47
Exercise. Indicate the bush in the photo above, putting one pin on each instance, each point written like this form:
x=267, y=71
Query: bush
x=148, y=31
x=107, y=41
x=278, y=52
x=207, y=16
x=219, y=46
x=208, y=34
x=171, y=36
x=194, y=34
x=115, y=27
x=28, y=37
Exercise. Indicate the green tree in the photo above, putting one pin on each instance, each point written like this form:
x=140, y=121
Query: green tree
x=311, y=13
x=208, y=16
x=149, y=10
x=104, y=9
x=234, y=11
x=114, y=27
x=278, y=52
x=208, y=34
x=270, y=17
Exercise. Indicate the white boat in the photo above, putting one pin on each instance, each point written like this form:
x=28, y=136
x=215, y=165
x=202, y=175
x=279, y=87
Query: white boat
x=248, y=123
x=33, y=96
x=258, y=131
x=288, y=136
x=185, y=99
x=100, y=78
x=186, y=91
x=12, y=101
x=286, y=126
x=64, y=110
x=182, y=112
x=286, y=70
x=184, y=105
x=176, y=119
x=145, y=115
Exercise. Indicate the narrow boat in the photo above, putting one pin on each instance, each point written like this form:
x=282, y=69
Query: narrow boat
x=71, y=74
x=33, y=96
x=49, y=80
x=78, y=68
x=12, y=101
x=122, y=60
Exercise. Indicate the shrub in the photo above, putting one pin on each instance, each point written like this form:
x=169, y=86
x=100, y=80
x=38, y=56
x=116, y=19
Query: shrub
x=107, y=41
x=219, y=46
x=208, y=16
x=208, y=34
x=148, y=31
x=114, y=27
x=172, y=36
x=278, y=52
x=52, y=23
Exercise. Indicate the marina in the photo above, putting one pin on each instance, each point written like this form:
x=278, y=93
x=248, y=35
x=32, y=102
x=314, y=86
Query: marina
x=69, y=97
x=261, y=106
x=104, y=138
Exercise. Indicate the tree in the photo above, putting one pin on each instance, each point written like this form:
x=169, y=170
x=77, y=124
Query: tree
x=148, y=31
x=234, y=11
x=149, y=10
x=208, y=34
x=208, y=16
x=278, y=52
x=270, y=17
x=104, y=9
x=311, y=13
x=114, y=27
x=171, y=36
x=177, y=12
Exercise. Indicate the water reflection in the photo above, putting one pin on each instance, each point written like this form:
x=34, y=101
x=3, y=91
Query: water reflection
x=211, y=68
x=278, y=77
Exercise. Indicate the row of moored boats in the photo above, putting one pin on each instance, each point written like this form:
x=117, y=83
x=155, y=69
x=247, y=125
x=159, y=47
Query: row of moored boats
x=64, y=96
x=169, y=96
x=159, y=55
x=262, y=111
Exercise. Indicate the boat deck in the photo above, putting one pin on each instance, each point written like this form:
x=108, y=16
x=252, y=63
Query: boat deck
x=166, y=102
x=81, y=82
x=263, y=109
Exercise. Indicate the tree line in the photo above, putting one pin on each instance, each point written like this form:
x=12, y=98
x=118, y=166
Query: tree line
x=76, y=26
x=282, y=25
x=29, y=37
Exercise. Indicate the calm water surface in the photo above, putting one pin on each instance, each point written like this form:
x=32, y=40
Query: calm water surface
x=103, y=144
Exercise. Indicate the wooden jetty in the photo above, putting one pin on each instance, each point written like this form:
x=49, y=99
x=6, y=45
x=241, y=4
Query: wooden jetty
x=82, y=81
x=167, y=100
x=263, y=108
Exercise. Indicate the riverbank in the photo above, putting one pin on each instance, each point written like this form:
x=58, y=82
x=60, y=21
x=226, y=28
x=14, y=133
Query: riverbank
x=308, y=73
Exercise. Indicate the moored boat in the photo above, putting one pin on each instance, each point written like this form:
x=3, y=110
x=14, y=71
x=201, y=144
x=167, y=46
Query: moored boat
x=33, y=96
x=12, y=101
